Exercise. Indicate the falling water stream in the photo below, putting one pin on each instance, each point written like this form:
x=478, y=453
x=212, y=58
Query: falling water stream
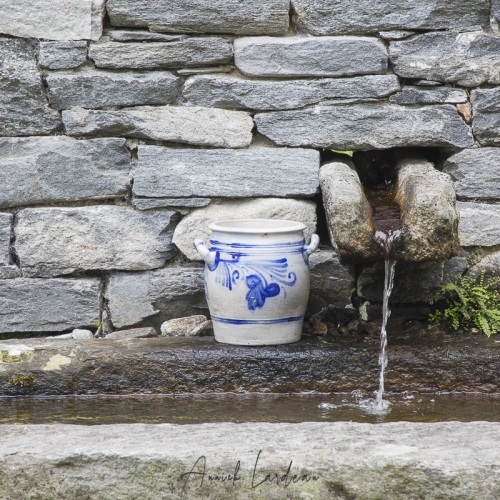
x=385, y=239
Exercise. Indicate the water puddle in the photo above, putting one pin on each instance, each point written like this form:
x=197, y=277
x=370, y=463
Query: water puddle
x=238, y=408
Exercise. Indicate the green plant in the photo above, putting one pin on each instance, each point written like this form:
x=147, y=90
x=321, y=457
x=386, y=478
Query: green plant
x=23, y=380
x=469, y=303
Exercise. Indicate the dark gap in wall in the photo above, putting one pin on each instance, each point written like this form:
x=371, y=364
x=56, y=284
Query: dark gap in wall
x=13, y=256
x=322, y=226
x=293, y=16
x=106, y=22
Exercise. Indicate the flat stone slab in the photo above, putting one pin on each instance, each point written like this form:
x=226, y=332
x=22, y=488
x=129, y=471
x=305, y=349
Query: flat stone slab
x=189, y=52
x=62, y=55
x=308, y=56
x=166, y=172
x=240, y=17
x=475, y=173
x=366, y=126
x=479, y=224
x=226, y=91
x=53, y=19
x=187, y=125
x=486, y=116
x=99, y=88
x=36, y=170
x=252, y=460
x=150, y=203
x=467, y=59
x=324, y=17
x=24, y=109
x=57, y=241
x=432, y=95
x=421, y=362
x=48, y=305
x=155, y=296
x=141, y=36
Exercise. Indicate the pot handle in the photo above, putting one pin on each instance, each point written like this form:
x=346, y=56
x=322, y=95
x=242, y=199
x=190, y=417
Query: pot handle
x=309, y=249
x=206, y=254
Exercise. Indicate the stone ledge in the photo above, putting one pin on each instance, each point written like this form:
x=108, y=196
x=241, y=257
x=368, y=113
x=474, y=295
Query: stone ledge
x=422, y=362
x=327, y=460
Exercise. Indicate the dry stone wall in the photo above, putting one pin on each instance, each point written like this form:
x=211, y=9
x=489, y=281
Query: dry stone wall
x=127, y=125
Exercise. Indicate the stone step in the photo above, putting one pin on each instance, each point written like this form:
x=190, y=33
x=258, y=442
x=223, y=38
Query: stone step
x=398, y=460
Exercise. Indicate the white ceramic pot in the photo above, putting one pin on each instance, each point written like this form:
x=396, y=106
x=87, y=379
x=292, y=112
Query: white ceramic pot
x=257, y=280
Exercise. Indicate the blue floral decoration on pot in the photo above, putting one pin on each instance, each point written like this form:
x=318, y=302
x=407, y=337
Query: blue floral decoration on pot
x=264, y=278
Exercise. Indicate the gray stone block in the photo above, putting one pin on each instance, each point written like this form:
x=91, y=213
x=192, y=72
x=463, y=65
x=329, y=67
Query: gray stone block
x=5, y=235
x=486, y=115
x=338, y=17
x=467, y=59
x=24, y=109
x=195, y=224
x=348, y=213
x=48, y=169
x=9, y=271
x=395, y=35
x=238, y=93
x=99, y=88
x=214, y=70
x=489, y=264
x=186, y=125
x=240, y=17
x=141, y=36
x=429, y=214
x=281, y=172
x=495, y=12
x=309, y=56
x=48, y=305
x=432, y=95
x=57, y=241
x=479, y=224
x=414, y=282
x=366, y=126
x=149, y=203
x=53, y=19
x=183, y=53
x=62, y=55
x=182, y=327
x=155, y=296
x=475, y=172
x=331, y=282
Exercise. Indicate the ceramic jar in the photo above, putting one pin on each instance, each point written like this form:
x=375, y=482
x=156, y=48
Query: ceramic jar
x=257, y=280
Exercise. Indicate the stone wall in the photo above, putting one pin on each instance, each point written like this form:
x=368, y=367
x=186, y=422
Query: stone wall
x=126, y=125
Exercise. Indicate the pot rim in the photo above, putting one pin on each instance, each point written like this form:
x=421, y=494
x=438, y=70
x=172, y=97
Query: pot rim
x=257, y=226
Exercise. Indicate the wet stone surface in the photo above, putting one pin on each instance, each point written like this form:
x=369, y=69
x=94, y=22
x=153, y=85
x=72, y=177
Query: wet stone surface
x=422, y=362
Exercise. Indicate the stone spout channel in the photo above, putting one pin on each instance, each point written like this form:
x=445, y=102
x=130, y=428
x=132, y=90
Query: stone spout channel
x=427, y=206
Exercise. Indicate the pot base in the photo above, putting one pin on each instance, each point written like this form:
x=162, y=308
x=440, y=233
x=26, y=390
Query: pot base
x=260, y=332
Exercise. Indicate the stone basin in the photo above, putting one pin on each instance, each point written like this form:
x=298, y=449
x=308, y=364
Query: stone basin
x=254, y=444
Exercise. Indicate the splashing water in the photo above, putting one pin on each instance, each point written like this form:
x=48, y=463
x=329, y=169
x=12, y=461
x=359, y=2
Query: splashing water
x=385, y=239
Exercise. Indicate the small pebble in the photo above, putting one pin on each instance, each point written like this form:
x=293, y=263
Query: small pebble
x=82, y=334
